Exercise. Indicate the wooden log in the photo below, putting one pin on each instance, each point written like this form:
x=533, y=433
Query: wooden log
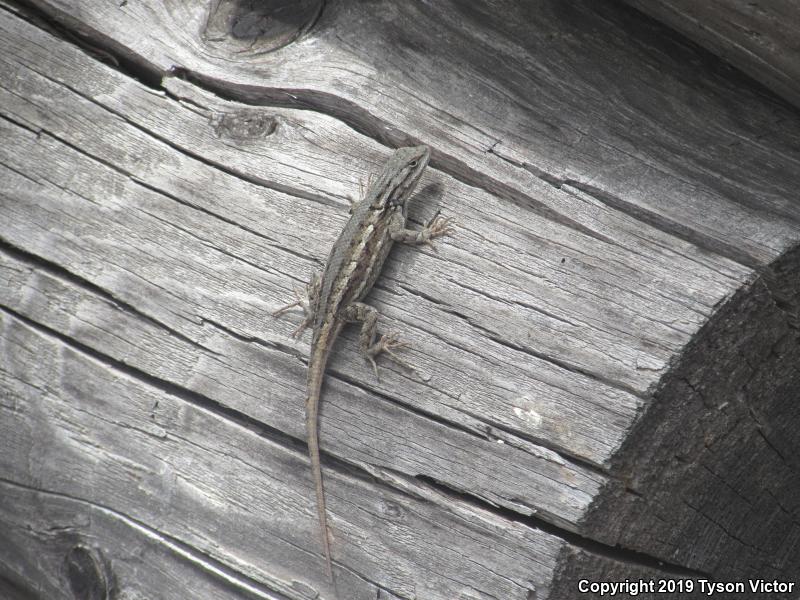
x=608, y=344
x=760, y=38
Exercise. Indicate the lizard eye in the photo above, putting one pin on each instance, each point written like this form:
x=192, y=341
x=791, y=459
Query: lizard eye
x=413, y=163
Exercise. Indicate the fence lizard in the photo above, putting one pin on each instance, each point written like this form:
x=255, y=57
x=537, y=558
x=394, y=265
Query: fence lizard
x=354, y=263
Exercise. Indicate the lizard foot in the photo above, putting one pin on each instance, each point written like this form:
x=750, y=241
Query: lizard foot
x=438, y=226
x=386, y=345
x=304, y=301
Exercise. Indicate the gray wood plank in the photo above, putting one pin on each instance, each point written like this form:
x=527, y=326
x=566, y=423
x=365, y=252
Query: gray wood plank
x=151, y=223
x=69, y=548
x=232, y=494
x=535, y=93
x=236, y=327
x=523, y=477
x=760, y=38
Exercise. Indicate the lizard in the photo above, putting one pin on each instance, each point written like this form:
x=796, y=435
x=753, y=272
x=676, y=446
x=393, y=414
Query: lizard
x=355, y=261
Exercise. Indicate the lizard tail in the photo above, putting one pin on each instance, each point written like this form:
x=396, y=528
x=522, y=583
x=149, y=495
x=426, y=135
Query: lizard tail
x=315, y=376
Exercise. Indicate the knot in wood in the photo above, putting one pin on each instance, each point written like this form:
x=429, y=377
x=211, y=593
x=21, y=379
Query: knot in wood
x=88, y=574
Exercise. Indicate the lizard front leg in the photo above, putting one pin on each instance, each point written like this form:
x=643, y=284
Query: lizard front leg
x=438, y=226
x=308, y=304
x=368, y=317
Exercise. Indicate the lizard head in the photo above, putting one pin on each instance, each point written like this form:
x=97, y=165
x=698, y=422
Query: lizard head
x=403, y=172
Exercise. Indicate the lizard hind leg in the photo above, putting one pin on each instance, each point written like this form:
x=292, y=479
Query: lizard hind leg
x=307, y=301
x=370, y=348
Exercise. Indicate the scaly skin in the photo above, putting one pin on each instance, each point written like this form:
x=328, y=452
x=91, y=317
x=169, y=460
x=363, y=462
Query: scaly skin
x=354, y=263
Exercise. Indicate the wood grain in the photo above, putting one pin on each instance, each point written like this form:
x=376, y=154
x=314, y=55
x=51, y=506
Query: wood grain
x=626, y=242
x=116, y=441
x=760, y=38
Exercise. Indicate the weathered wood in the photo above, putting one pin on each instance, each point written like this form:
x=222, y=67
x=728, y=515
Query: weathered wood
x=736, y=434
x=582, y=97
x=601, y=270
x=54, y=542
x=12, y=590
x=760, y=38
x=116, y=441
x=216, y=327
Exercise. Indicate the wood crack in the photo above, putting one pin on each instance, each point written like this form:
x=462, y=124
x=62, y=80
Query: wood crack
x=663, y=223
x=616, y=553
x=365, y=123
x=206, y=563
x=36, y=262
x=167, y=387
x=330, y=461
